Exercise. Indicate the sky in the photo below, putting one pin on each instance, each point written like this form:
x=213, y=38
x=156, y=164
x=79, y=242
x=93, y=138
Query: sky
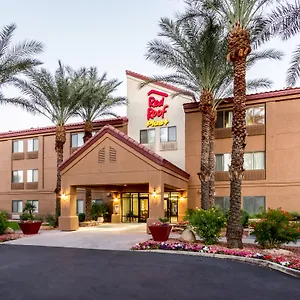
x=111, y=35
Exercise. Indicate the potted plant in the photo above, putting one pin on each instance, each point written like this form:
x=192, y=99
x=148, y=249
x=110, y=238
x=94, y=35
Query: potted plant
x=160, y=230
x=29, y=224
x=99, y=211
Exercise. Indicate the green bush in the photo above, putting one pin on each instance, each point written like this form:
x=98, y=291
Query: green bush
x=81, y=217
x=275, y=229
x=207, y=223
x=296, y=215
x=3, y=222
x=188, y=213
x=5, y=213
x=27, y=214
x=51, y=220
x=99, y=210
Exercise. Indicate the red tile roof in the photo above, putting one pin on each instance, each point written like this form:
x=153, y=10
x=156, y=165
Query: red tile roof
x=51, y=129
x=161, y=84
x=131, y=143
x=256, y=96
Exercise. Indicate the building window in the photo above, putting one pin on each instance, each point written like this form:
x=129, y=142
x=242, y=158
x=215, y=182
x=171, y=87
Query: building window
x=168, y=134
x=32, y=175
x=254, y=161
x=254, y=116
x=18, y=146
x=97, y=201
x=32, y=145
x=147, y=136
x=80, y=207
x=254, y=204
x=35, y=203
x=17, y=206
x=76, y=140
x=224, y=119
x=222, y=162
x=222, y=202
x=17, y=176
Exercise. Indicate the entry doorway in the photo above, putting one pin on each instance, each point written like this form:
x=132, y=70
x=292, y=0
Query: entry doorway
x=135, y=207
x=171, y=206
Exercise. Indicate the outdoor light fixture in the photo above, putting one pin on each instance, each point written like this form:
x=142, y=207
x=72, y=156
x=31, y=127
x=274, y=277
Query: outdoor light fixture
x=181, y=197
x=63, y=196
x=154, y=193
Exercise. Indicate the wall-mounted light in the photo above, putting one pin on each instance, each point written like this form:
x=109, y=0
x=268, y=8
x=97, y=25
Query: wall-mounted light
x=154, y=194
x=181, y=197
x=63, y=196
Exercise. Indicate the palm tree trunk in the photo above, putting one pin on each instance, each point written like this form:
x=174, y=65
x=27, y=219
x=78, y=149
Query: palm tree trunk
x=204, y=175
x=88, y=133
x=60, y=139
x=238, y=48
x=212, y=158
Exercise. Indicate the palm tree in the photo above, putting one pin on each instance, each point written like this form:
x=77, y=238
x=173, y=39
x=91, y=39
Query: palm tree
x=56, y=98
x=15, y=60
x=285, y=22
x=193, y=48
x=96, y=101
x=240, y=17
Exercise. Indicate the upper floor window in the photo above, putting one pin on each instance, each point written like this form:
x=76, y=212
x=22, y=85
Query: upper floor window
x=76, y=140
x=32, y=145
x=252, y=161
x=18, y=146
x=168, y=134
x=32, y=175
x=147, y=136
x=17, y=176
x=35, y=203
x=254, y=115
x=222, y=162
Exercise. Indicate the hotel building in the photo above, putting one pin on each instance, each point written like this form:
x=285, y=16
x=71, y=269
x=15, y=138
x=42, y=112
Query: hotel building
x=145, y=166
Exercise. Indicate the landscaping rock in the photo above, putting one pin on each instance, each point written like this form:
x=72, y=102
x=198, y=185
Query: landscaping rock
x=89, y=223
x=188, y=236
x=9, y=231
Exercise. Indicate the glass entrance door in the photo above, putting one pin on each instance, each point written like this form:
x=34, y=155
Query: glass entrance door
x=171, y=206
x=135, y=207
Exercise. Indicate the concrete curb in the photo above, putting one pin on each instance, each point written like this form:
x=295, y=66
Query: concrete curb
x=254, y=261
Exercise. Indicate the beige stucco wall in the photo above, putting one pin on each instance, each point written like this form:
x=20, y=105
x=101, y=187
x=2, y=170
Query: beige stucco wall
x=46, y=165
x=281, y=144
x=137, y=115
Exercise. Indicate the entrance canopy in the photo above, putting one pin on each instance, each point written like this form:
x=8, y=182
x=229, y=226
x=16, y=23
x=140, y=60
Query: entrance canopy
x=112, y=159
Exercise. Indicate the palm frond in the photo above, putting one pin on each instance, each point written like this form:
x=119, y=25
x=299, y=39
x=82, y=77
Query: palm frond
x=293, y=72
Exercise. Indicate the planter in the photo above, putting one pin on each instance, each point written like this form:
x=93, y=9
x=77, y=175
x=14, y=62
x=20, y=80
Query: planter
x=100, y=220
x=160, y=233
x=30, y=227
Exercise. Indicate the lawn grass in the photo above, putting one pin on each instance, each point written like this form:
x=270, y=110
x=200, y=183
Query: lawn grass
x=13, y=225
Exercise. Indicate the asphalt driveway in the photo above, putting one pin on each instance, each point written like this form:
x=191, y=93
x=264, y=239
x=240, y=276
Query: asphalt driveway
x=28, y=272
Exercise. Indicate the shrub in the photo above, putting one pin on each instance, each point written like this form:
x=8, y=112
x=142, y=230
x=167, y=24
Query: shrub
x=99, y=210
x=244, y=217
x=207, y=223
x=296, y=215
x=3, y=222
x=27, y=214
x=81, y=217
x=51, y=220
x=5, y=213
x=275, y=229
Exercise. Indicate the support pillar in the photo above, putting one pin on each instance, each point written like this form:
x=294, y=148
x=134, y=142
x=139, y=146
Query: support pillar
x=68, y=220
x=156, y=200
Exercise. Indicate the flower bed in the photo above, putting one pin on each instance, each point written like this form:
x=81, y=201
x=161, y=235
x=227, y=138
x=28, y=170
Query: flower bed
x=10, y=237
x=291, y=260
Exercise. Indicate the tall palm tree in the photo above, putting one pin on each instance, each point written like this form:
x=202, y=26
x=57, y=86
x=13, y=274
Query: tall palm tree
x=97, y=101
x=285, y=22
x=240, y=17
x=56, y=98
x=193, y=48
x=15, y=60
